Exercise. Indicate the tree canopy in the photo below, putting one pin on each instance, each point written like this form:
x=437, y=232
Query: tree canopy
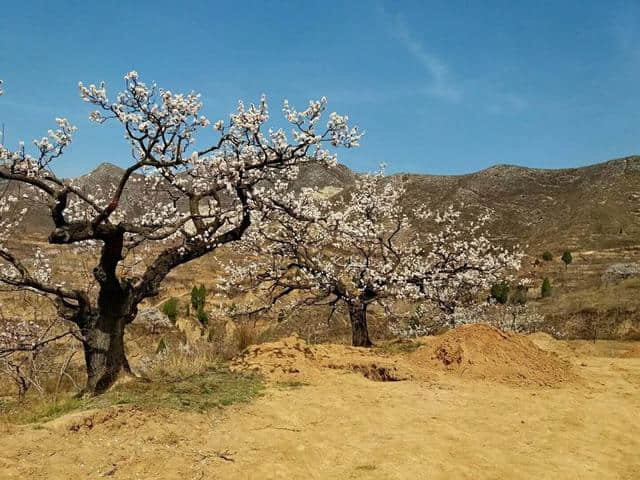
x=193, y=198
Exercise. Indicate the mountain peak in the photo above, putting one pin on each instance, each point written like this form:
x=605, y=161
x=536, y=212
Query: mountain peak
x=106, y=168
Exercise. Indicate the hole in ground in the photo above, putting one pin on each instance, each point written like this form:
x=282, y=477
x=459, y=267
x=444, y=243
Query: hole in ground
x=378, y=373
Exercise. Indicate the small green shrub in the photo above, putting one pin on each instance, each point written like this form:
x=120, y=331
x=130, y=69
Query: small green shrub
x=170, y=309
x=567, y=258
x=547, y=256
x=198, y=297
x=202, y=316
x=194, y=297
x=546, y=289
x=500, y=292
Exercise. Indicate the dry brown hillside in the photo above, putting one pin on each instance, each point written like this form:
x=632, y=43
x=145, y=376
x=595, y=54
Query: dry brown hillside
x=590, y=207
x=594, y=207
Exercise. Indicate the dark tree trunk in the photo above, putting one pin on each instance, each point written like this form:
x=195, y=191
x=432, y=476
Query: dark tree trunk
x=104, y=354
x=103, y=331
x=359, y=330
x=103, y=326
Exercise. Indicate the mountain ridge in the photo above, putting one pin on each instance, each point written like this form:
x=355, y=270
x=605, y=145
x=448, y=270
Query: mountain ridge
x=594, y=206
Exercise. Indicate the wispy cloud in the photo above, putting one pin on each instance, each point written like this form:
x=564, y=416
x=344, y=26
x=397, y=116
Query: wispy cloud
x=441, y=81
x=441, y=84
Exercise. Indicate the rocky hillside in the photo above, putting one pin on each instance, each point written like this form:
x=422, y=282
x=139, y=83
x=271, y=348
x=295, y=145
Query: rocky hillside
x=591, y=207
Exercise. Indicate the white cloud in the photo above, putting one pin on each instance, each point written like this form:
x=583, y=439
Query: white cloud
x=441, y=84
x=441, y=80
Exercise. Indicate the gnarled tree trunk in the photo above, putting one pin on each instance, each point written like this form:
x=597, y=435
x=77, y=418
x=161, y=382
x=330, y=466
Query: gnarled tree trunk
x=359, y=330
x=103, y=331
x=104, y=353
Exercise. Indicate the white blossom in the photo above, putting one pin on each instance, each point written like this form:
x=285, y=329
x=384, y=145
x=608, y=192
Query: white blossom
x=175, y=202
x=366, y=249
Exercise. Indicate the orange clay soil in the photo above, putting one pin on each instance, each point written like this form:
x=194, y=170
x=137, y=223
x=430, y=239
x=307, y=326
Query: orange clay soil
x=468, y=409
x=293, y=360
x=486, y=353
x=470, y=351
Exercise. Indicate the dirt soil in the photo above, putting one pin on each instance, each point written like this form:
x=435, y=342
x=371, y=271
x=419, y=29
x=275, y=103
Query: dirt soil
x=341, y=416
x=484, y=352
x=293, y=360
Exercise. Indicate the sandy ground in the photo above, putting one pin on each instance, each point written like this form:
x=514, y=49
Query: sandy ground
x=345, y=426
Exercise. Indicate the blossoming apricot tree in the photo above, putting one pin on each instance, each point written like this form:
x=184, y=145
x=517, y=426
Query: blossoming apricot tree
x=363, y=250
x=193, y=200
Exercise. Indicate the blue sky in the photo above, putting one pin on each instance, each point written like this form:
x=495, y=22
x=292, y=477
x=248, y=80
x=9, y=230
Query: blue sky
x=442, y=87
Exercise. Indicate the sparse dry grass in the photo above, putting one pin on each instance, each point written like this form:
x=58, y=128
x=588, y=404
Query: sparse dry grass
x=623, y=296
x=181, y=363
x=245, y=335
x=177, y=377
x=607, y=312
x=212, y=387
x=398, y=346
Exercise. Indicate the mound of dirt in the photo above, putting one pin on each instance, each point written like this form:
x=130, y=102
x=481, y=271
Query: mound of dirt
x=474, y=351
x=276, y=359
x=294, y=359
x=484, y=352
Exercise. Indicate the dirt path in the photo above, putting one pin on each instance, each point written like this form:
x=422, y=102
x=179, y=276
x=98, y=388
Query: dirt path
x=344, y=426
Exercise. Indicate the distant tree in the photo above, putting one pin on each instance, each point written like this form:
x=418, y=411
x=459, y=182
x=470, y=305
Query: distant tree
x=547, y=256
x=546, y=288
x=365, y=251
x=500, y=292
x=202, y=316
x=198, y=297
x=567, y=258
x=194, y=197
x=195, y=293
